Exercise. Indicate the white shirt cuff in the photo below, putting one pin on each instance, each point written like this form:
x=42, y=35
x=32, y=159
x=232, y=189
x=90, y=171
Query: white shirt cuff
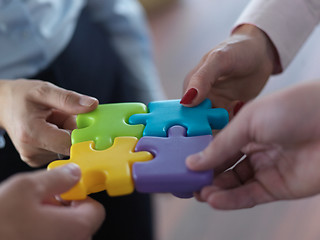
x=288, y=23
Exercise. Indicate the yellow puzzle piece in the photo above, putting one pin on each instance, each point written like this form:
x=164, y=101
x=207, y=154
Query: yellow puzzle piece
x=108, y=169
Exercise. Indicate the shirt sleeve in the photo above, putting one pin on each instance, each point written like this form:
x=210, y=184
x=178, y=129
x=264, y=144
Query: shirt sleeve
x=125, y=23
x=288, y=23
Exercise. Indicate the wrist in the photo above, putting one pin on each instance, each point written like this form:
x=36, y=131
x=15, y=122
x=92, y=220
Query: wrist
x=264, y=41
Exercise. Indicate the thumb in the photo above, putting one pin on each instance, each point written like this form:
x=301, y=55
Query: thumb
x=225, y=149
x=58, y=180
x=64, y=100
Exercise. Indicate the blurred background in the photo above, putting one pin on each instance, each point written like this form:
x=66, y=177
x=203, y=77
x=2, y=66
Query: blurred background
x=183, y=31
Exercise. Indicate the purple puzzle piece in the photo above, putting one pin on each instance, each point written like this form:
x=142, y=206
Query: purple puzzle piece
x=167, y=172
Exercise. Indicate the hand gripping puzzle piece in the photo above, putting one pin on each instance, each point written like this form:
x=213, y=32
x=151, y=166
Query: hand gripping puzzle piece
x=167, y=172
x=106, y=122
x=108, y=169
x=198, y=120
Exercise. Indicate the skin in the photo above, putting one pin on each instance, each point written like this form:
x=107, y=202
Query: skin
x=235, y=70
x=30, y=211
x=280, y=136
x=39, y=118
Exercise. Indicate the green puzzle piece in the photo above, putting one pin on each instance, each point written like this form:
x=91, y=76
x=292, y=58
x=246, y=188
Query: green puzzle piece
x=106, y=122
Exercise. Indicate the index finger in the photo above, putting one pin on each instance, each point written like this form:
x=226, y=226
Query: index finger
x=64, y=100
x=211, y=67
x=89, y=210
x=80, y=220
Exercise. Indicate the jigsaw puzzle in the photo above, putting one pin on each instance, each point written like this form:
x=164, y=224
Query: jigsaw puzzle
x=199, y=120
x=167, y=172
x=112, y=157
x=106, y=122
x=108, y=169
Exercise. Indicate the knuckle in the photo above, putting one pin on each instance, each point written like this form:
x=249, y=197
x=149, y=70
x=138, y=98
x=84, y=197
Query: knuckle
x=36, y=157
x=24, y=137
x=28, y=156
x=66, y=97
x=219, y=54
x=224, y=60
x=41, y=89
x=28, y=159
x=32, y=159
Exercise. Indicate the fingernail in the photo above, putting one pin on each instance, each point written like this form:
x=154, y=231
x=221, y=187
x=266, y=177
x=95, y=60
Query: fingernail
x=237, y=107
x=87, y=101
x=72, y=169
x=189, y=96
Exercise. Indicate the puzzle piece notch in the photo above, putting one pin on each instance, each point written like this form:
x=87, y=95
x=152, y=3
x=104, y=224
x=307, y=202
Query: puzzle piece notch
x=167, y=172
x=108, y=169
x=199, y=120
x=107, y=122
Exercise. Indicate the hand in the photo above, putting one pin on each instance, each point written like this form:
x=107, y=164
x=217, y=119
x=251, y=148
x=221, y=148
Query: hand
x=29, y=210
x=39, y=118
x=236, y=70
x=280, y=136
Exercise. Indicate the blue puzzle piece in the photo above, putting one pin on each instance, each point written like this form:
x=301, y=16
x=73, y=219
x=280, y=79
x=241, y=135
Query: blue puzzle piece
x=199, y=120
x=168, y=172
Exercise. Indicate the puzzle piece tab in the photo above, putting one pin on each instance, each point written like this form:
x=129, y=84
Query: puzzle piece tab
x=167, y=172
x=109, y=169
x=106, y=122
x=198, y=120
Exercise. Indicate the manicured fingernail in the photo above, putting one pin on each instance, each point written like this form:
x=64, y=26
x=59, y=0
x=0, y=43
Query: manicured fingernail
x=87, y=101
x=189, y=96
x=72, y=169
x=237, y=107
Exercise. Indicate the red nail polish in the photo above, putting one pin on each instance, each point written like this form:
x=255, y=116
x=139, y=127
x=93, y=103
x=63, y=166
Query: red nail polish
x=237, y=107
x=189, y=96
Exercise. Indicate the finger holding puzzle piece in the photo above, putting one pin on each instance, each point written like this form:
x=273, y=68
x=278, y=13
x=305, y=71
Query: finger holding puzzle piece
x=152, y=163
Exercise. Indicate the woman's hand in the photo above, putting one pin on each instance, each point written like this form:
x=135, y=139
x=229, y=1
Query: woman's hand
x=39, y=117
x=30, y=211
x=235, y=71
x=280, y=135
